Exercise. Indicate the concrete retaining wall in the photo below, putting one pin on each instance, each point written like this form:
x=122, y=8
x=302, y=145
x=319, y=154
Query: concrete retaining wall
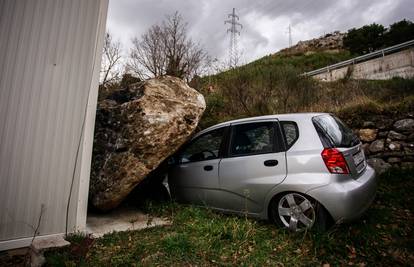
x=400, y=64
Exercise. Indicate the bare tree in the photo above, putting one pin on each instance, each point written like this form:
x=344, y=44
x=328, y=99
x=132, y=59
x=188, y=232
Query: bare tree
x=147, y=56
x=166, y=49
x=111, y=60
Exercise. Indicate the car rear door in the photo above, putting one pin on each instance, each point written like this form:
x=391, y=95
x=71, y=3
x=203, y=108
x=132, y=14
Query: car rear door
x=195, y=174
x=254, y=163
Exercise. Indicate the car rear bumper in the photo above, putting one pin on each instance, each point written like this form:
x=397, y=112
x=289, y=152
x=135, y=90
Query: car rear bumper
x=349, y=199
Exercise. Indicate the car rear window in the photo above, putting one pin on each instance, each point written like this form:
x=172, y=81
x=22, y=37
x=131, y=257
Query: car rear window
x=291, y=132
x=333, y=132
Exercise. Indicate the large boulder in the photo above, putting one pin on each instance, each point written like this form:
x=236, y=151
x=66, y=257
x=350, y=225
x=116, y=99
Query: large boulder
x=137, y=129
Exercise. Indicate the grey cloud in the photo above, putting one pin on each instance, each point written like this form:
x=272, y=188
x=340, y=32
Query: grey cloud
x=265, y=21
x=403, y=9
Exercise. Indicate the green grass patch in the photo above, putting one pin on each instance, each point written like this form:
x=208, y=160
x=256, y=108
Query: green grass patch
x=199, y=236
x=303, y=62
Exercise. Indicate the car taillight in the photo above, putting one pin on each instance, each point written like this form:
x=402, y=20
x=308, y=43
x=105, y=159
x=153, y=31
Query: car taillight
x=334, y=161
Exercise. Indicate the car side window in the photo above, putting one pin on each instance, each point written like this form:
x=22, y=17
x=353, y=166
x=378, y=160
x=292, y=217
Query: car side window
x=204, y=147
x=291, y=132
x=252, y=138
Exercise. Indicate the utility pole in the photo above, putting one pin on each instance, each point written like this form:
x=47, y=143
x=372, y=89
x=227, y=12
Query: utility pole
x=234, y=31
x=290, y=35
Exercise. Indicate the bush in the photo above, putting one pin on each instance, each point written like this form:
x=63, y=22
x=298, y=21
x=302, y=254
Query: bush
x=365, y=39
x=399, y=32
x=375, y=36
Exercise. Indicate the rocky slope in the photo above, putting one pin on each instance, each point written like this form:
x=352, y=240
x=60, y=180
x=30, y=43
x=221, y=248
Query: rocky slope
x=329, y=42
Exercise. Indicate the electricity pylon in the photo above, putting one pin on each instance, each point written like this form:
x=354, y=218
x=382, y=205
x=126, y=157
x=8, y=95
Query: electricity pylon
x=234, y=33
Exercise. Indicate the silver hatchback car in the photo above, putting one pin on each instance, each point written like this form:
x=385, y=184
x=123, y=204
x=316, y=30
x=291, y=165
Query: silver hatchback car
x=298, y=170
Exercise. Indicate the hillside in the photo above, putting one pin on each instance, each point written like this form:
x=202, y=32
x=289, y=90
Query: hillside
x=302, y=62
x=273, y=84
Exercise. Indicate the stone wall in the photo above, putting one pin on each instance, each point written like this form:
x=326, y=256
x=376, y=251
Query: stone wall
x=388, y=142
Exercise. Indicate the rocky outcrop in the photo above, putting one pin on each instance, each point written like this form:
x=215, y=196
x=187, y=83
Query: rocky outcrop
x=328, y=42
x=136, y=129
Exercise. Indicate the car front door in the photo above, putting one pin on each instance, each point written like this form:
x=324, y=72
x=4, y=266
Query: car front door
x=254, y=164
x=195, y=175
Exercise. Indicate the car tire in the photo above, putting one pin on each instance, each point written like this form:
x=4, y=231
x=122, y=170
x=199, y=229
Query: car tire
x=298, y=212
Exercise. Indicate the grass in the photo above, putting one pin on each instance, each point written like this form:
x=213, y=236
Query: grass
x=367, y=109
x=304, y=62
x=384, y=236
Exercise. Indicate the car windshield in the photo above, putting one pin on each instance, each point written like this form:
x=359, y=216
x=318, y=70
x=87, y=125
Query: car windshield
x=338, y=134
x=204, y=147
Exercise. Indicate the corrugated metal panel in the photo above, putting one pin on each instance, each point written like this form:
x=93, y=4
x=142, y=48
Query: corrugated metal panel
x=48, y=52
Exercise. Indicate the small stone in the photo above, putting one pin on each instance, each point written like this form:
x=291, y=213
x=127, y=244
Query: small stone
x=404, y=125
x=410, y=137
x=407, y=165
x=368, y=135
x=409, y=158
x=394, y=160
x=408, y=147
x=368, y=124
x=377, y=146
x=382, y=134
x=394, y=146
x=379, y=165
x=396, y=136
x=384, y=123
x=387, y=154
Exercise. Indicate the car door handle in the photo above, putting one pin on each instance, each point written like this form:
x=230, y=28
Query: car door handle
x=271, y=163
x=208, y=168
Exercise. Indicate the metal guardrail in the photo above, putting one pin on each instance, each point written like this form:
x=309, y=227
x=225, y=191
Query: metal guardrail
x=375, y=54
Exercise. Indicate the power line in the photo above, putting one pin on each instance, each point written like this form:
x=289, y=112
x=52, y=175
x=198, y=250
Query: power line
x=234, y=32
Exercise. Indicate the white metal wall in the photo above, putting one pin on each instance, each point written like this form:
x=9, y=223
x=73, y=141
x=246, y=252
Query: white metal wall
x=50, y=54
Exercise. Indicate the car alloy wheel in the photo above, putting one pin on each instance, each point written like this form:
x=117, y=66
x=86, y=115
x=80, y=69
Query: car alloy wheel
x=296, y=212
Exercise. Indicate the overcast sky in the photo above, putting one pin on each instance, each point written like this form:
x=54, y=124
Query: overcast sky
x=265, y=22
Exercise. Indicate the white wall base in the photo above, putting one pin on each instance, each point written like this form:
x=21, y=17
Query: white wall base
x=25, y=242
